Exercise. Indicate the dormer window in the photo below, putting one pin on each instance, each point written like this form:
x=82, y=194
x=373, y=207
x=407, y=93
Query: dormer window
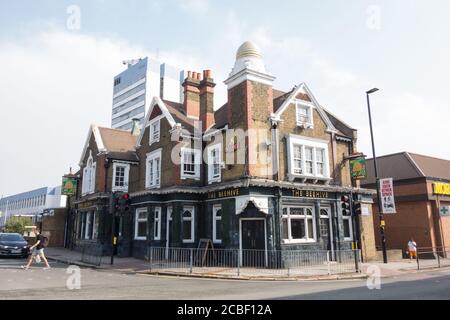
x=304, y=116
x=154, y=131
x=308, y=158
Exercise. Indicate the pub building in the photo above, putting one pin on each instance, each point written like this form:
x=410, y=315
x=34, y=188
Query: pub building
x=422, y=201
x=277, y=189
x=107, y=160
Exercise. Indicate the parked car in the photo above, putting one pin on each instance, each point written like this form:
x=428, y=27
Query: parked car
x=14, y=245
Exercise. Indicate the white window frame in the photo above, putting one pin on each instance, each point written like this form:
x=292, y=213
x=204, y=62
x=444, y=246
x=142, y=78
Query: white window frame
x=192, y=220
x=327, y=217
x=304, y=217
x=215, y=218
x=197, y=162
x=211, y=177
x=88, y=223
x=303, y=143
x=154, y=123
x=309, y=123
x=88, y=183
x=137, y=220
x=150, y=164
x=350, y=227
x=157, y=223
x=126, y=166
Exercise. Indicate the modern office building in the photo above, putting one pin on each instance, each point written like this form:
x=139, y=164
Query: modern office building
x=31, y=203
x=135, y=87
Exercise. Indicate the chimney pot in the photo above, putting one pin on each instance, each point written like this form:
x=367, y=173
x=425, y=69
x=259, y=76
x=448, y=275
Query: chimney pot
x=198, y=75
x=208, y=74
x=189, y=74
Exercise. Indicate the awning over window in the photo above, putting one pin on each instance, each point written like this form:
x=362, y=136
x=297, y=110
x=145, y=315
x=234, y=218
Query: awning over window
x=260, y=202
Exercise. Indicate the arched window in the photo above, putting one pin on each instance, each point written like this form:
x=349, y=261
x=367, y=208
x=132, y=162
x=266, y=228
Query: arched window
x=188, y=224
x=217, y=223
x=88, y=184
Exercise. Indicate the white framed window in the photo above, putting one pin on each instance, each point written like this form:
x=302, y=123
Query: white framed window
x=140, y=224
x=304, y=114
x=121, y=173
x=320, y=162
x=217, y=223
x=190, y=163
x=214, y=163
x=324, y=222
x=347, y=227
x=157, y=223
x=153, y=169
x=88, y=183
x=155, y=131
x=308, y=158
x=298, y=225
x=188, y=218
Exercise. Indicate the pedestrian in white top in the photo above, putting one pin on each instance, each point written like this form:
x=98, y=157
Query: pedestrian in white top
x=412, y=249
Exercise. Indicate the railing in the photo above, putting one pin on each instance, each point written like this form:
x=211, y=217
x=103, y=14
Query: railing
x=249, y=263
x=432, y=257
x=92, y=254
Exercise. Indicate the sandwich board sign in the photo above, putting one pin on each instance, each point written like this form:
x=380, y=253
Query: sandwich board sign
x=387, y=196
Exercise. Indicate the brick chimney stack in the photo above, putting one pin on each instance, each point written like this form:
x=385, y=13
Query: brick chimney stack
x=191, y=103
x=207, y=100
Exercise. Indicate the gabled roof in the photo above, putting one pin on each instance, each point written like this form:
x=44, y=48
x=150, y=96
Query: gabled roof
x=172, y=111
x=407, y=165
x=302, y=91
x=117, y=144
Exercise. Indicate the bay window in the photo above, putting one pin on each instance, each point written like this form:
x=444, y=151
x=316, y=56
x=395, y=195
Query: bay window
x=308, y=158
x=298, y=225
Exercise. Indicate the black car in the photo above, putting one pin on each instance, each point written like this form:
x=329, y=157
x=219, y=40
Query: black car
x=14, y=245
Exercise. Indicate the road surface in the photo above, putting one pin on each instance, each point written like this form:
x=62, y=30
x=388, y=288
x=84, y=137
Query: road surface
x=16, y=283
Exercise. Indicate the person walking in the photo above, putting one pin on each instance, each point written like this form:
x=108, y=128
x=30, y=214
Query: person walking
x=37, y=250
x=412, y=249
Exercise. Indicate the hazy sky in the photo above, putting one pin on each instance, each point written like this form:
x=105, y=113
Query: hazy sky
x=56, y=78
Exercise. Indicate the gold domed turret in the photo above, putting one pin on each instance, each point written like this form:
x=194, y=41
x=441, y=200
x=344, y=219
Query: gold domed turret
x=248, y=49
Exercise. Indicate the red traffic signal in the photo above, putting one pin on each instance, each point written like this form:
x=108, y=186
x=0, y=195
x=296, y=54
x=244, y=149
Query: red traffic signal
x=126, y=196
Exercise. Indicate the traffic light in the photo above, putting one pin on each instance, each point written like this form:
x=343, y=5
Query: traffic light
x=121, y=202
x=356, y=206
x=345, y=203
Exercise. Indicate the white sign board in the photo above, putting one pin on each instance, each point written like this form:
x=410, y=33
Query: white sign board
x=444, y=211
x=387, y=196
x=365, y=210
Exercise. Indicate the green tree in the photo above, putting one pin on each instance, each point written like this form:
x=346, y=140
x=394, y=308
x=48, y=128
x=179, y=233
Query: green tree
x=17, y=224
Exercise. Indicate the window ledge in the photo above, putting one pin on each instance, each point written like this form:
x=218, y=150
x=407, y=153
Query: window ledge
x=305, y=125
x=304, y=177
x=186, y=177
x=299, y=241
x=188, y=241
x=140, y=238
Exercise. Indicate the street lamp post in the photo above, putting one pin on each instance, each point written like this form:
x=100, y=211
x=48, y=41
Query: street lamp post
x=380, y=213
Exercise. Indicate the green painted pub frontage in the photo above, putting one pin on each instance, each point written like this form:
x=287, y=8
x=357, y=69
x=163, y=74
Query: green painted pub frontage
x=247, y=215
